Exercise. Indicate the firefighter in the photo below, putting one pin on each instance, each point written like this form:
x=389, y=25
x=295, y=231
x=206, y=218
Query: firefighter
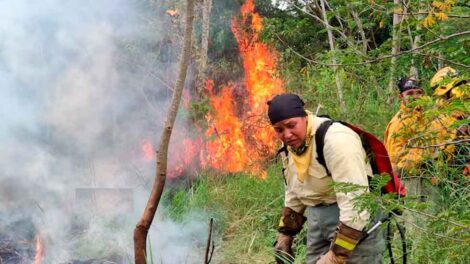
x=335, y=226
x=407, y=124
x=450, y=87
x=448, y=84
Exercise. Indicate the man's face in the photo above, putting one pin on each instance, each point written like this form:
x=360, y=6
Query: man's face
x=292, y=131
x=410, y=95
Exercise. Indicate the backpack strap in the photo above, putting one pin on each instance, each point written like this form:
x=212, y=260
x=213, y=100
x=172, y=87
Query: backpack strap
x=320, y=142
x=284, y=150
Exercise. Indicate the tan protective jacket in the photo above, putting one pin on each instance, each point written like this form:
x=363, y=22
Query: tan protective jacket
x=346, y=160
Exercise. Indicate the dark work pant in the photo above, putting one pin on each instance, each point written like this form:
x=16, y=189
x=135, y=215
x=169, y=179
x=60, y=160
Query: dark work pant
x=322, y=222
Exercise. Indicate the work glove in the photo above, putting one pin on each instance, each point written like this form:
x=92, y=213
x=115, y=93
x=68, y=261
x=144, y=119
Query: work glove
x=344, y=242
x=283, y=249
x=290, y=225
x=331, y=258
x=291, y=222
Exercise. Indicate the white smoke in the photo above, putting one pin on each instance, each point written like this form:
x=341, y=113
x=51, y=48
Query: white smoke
x=78, y=96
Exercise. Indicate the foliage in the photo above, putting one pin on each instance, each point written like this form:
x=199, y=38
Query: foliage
x=246, y=208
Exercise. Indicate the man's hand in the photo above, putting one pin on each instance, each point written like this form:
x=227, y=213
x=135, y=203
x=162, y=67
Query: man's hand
x=283, y=249
x=331, y=258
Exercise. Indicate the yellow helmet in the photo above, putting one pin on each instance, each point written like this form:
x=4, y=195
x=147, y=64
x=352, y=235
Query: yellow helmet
x=436, y=83
x=461, y=89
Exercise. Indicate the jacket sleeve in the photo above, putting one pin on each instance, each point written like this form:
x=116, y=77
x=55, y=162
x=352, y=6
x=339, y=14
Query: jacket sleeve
x=346, y=160
x=393, y=142
x=293, y=202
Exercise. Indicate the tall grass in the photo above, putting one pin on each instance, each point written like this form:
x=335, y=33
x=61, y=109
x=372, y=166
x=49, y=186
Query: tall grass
x=245, y=209
x=246, y=212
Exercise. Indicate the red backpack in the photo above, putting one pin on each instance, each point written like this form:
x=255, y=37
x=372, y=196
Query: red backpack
x=380, y=161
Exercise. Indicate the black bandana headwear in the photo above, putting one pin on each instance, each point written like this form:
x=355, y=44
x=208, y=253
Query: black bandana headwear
x=285, y=106
x=405, y=84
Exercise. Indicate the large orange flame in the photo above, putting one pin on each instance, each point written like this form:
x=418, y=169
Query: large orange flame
x=241, y=137
x=39, y=250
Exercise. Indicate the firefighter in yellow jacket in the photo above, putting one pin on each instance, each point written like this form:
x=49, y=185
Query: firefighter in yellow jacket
x=405, y=125
x=335, y=226
x=450, y=87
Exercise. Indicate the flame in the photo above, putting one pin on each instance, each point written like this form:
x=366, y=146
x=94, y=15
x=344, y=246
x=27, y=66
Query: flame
x=184, y=156
x=147, y=150
x=172, y=12
x=240, y=136
x=39, y=250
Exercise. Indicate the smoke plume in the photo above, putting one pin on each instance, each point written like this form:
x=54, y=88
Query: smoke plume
x=84, y=85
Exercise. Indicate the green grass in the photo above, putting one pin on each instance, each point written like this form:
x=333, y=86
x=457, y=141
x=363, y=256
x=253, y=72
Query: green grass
x=246, y=212
x=245, y=209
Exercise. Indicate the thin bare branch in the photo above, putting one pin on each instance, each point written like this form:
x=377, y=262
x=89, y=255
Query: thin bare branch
x=331, y=41
x=329, y=27
x=208, y=257
x=441, y=145
x=145, y=221
x=425, y=13
x=426, y=231
x=376, y=60
x=435, y=217
x=444, y=59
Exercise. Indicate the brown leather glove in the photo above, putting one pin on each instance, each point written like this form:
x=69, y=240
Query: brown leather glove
x=290, y=225
x=283, y=249
x=291, y=222
x=345, y=240
x=331, y=258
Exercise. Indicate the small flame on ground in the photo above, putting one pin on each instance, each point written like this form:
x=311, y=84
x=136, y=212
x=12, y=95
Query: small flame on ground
x=147, y=150
x=39, y=250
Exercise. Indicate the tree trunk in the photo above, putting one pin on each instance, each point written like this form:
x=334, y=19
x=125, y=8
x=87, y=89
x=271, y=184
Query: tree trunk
x=395, y=46
x=333, y=59
x=414, y=68
x=365, y=46
x=360, y=28
x=416, y=40
x=206, y=13
x=143, y=226
x=440, y=54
